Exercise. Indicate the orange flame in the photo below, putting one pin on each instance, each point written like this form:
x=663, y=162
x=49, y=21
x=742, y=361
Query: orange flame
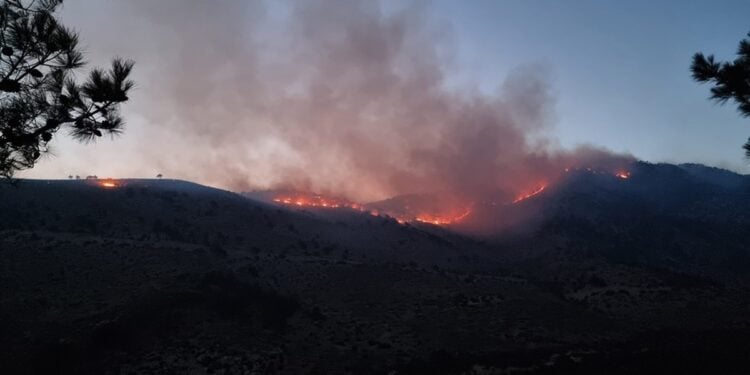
x=442, y=219
x=433, y=217
x=108, y=184
x=525, y=196
x=318, y=201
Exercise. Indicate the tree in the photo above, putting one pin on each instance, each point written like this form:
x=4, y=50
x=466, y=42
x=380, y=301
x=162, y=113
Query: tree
x=731, y=80
x=38, y=93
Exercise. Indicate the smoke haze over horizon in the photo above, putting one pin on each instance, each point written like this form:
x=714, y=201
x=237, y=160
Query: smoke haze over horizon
x=352, y=98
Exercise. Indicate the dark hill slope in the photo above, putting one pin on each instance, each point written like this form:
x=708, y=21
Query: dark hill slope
x=663, y=216
x=638, y=248
x=179, y=211
x=159, y=276
x=174, y=277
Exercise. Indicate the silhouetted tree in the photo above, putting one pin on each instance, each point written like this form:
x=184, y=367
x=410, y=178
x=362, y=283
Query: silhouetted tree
x=158, y=175
x=731, y=80
x=38, y=94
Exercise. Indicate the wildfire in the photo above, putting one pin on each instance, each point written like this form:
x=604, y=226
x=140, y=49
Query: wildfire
x=321, y=202
x=528, y=195
x=406, y=212
x=317, y=201
x=108, y=184
x=442, y=219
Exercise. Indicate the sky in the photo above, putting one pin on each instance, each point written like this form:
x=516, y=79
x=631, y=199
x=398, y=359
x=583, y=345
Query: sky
x=210, y=76
x=621, y=69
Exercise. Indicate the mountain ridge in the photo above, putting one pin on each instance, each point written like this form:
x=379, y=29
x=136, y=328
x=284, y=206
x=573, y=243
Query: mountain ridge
x=151, y=276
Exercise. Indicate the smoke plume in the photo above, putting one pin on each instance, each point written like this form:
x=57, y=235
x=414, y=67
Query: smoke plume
x=339, y=97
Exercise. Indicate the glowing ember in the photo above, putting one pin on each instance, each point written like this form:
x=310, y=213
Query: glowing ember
x=317, y=201
x=622, y=173
x=525, y=196
x=429, y=219
x=321, y=202
x=108, y=184
x=442, y=219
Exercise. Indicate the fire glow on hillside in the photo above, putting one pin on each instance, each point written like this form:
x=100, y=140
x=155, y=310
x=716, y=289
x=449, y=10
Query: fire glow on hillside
x=623, y=175
x=524, y=196
x=315, y=121
x=407, y=213
x=442, y=219
x=319, y=201
x=108, y=184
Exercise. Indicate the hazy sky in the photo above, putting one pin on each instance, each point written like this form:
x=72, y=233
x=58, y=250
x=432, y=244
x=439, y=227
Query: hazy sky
x=616, y=72
x=621, y=69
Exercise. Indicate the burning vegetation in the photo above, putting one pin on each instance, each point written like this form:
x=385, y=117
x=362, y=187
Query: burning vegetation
x=316, y=200
x=434, y=209
x=304, y=200
x=106, y=183
x=442, y=219
x=524, y=196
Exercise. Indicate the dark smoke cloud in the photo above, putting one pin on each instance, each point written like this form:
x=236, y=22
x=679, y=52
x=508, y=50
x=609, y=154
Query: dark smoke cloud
x=338, y=97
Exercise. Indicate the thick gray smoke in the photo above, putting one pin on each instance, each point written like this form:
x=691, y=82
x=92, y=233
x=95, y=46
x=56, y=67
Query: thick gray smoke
x=338, y=97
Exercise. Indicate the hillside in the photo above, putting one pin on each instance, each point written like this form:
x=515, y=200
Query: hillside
x=155, y=276
x=687, y=219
